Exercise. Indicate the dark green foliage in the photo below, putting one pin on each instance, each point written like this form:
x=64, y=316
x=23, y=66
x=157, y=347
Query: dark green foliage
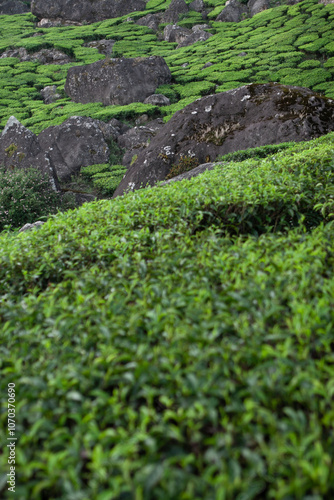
x=256, y=153
x=170, y=92
x=157, y=356
x=25, y=196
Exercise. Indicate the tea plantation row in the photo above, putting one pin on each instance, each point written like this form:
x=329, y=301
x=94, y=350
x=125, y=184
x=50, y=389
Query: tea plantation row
x=293, y=45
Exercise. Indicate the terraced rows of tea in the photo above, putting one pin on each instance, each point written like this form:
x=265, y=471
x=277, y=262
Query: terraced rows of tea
x=293, y=45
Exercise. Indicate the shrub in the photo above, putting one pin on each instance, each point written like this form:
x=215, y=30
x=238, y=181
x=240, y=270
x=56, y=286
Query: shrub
x=25, y=196
x=91, y=170
x=104, y=177
x=255, y=153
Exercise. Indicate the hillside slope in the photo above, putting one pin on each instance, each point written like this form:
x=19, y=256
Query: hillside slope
x=293, y=45
x=177, y=342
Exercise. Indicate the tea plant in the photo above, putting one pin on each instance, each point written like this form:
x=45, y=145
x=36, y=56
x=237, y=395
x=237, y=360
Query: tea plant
x=162, y=347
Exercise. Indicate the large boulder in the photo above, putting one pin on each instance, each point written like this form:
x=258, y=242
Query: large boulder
x=174, y=33
x=117, y=81
x=197, y=6
x=137, y=139
x=250, y=116
x=257, y=6
x=89, y=11
x=19, y=148
x=195, y=36
x=151, y=21
x=175, y=11
x=76, y=143
x=11, y=7
x=233, y=12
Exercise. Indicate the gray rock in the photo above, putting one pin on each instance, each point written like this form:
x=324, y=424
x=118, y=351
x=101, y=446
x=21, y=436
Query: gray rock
x=142, y=119
x=118, y=126
x=197, y=5
x=157, y=100
x=36, y=225
x=103, y=46
x=250, y=116
x=44, y=56
x=233, y=12
x=200, y=27
x=174, y=33
x=10, y=7
x=174, y=11
x=50, y=94
x=207, y=65
x=151, y=21
x=134, y=141
x=19, y=148
x=76, y=143
x=191, y=173
x=117, y=81
x=196, y=36
x=50, y=56
x=20, y=53
x=89, y=11
x=256, y=6
x=56, y=22
x=183, y=36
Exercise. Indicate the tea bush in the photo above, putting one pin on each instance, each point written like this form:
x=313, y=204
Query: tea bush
x=162, y=348
x=256, y=153
x=104, y=177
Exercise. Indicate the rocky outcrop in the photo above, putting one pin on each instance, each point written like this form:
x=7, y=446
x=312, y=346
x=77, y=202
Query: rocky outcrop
x=19, y=148
x=137, y=139
x=157, y=100
x=197, y=35
x=197, y=6
x=56, y=22
x=176, y=34
x=117, y=81
x=50, y=94
x=44, y=56
x=235, y=10
x=185, y=37
x=89, y=11
x=191, y=173
x=174, y=11
x=151, y=21
x=11, y=7
x=103, y=46
x=250, y=116
x=76, y=143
